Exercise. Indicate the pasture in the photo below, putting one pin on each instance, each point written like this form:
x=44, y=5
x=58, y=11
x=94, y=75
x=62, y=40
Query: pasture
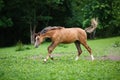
x=28, y=64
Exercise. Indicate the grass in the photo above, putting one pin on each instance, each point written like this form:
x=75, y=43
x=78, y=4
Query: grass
x=28, y=64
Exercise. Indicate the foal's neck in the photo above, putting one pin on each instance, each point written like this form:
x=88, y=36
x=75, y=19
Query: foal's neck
x=50, y=34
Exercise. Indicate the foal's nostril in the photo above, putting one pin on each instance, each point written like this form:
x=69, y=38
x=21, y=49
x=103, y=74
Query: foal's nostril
x=36, y=46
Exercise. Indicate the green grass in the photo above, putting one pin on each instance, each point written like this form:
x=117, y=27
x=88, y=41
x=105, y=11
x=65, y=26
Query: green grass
x=28, y=64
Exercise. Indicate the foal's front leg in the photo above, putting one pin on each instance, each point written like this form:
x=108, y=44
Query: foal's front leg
x=50, y=49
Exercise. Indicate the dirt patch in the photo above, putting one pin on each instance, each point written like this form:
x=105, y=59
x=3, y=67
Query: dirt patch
x=36, y=57
x=111, y=57
x=105, y=57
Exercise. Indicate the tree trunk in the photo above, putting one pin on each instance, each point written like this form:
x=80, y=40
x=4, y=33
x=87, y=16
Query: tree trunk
x=32, y=32
x=31, y=35
x=32, y=29
x=92, y=35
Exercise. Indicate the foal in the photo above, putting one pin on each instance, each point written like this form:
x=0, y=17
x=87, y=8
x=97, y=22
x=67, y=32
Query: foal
x=63, y=35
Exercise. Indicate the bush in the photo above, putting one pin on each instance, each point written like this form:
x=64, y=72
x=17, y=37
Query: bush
x=116, y=44
x=19, y=46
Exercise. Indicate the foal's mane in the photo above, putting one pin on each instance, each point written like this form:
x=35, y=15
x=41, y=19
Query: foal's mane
x=50, y=28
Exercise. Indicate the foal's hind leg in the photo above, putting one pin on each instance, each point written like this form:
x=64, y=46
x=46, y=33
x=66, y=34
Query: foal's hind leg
x=77, y=44
x=89, y=49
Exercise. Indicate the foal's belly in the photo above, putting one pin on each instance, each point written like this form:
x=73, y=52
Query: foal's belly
x=68, y=40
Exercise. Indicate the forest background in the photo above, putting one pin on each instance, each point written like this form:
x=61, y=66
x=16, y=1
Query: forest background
x=20, y=19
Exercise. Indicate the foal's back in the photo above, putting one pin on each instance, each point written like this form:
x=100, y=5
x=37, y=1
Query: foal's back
x=69, y=35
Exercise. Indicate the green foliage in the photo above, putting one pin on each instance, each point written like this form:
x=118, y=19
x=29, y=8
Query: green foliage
x=116, y=44
x=71, y=12
x=86, y=23
x=74, y=9
x=19, y=46
x=1, y=4
x=24, y=15
x=6, y=22
x=104, y=10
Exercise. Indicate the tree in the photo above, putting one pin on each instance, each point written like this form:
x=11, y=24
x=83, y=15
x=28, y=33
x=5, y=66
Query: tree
x=106, y=11
x=30, y=16
x=33, y=15
x=4, y=20
x=37, y=11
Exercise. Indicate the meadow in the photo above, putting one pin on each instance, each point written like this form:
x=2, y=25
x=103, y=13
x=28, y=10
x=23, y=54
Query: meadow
x=28, y=64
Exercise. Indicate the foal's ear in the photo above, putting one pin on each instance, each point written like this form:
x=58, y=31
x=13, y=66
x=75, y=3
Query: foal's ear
x=35, y=34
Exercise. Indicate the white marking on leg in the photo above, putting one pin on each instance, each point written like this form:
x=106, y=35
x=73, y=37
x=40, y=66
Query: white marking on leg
x=45, y=60
x=51, y=56
x=76, y=58
x=47, y=57
x=92, y=57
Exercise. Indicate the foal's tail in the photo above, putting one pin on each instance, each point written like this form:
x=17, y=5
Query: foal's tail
x=94, y=23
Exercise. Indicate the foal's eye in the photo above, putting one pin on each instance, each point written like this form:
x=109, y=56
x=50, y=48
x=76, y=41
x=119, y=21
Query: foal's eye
x=37, y=38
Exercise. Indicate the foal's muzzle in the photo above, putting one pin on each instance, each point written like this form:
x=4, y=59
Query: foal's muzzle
x=36, y=45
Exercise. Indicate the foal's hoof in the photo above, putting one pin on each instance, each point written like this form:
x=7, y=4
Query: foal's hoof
x=76, y=59
x=45, y=60
x=93, y=59
x=52, y=58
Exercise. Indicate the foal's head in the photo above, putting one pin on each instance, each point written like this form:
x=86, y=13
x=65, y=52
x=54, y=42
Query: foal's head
x=38, y=40
x=45, y=33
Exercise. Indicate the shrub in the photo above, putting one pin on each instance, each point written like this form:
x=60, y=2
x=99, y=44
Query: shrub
x=19, y=46
x=116, y=44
